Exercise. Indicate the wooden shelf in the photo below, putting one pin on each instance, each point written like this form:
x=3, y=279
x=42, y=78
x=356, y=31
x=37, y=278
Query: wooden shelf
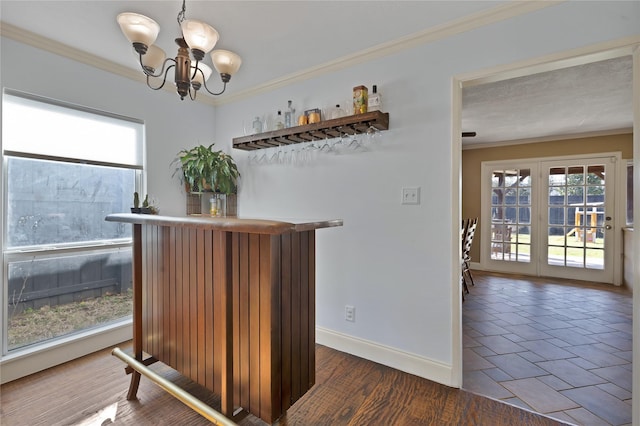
x=353, y=124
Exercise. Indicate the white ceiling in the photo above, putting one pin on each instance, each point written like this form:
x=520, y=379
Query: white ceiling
x=280, y=38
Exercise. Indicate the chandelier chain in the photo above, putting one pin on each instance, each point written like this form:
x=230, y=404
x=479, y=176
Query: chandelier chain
x=182, y=13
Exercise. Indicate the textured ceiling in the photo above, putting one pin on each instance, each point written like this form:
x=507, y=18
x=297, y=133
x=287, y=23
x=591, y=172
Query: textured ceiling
x=594, y=97
x=280, y=38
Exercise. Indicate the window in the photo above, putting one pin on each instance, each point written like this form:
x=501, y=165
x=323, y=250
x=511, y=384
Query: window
x=65, y=168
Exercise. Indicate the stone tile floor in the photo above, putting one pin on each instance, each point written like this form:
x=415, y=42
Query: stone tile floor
x=557, y=347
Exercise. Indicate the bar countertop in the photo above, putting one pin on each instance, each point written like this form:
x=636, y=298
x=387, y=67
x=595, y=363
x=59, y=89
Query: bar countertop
x=230, y=224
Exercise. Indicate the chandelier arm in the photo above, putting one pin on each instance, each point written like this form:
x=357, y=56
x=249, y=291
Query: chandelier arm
x=164, y=80
x=195, y=71
x=162, y=71
x=215, y=94
x=193, y=96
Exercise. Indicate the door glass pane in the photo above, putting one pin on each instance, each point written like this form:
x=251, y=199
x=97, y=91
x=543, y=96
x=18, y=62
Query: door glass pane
x=524, y=215
x=575, y=175
x=580, y=216
x=595, y=259
x=595, y=175
x=556, y=216
x=557, y=176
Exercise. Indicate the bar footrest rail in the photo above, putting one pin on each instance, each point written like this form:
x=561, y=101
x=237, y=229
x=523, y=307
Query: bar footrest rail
x=183, y=396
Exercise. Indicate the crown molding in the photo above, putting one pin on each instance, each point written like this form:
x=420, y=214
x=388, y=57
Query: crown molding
x=448, y=29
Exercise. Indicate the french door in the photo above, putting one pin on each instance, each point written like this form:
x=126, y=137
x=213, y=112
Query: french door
x=578, y=219
x=550, y=218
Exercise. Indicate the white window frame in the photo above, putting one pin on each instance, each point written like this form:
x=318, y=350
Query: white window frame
x=30, y=359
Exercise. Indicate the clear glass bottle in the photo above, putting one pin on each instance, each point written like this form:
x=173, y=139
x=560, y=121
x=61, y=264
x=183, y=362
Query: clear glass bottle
x=288, y=115
x=375, y=100
x=279, y=122
x=337, y=112
x=257, y=125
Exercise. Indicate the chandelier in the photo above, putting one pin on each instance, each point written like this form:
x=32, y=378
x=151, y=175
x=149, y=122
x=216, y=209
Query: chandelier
x=198, y=38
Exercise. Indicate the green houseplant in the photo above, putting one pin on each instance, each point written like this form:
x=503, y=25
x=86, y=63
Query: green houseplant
x=203, y=169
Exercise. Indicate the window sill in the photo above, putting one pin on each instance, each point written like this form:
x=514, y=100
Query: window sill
x=29, y=360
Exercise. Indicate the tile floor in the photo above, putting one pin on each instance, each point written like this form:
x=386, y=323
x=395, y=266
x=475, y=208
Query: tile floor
x=555, y=347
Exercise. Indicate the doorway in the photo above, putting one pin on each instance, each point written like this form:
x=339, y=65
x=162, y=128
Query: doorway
x=577, y=57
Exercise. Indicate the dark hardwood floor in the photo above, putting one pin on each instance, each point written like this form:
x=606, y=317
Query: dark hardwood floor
x=348, y=391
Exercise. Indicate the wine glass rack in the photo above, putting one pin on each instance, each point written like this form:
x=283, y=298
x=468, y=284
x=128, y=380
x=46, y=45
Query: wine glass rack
x=327, y=129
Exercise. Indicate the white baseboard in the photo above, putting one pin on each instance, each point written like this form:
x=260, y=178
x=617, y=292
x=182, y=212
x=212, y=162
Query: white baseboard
x=24, y=362
x=391, y=357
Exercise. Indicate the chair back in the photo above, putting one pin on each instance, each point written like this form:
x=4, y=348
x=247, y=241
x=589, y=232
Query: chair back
x=467, y=241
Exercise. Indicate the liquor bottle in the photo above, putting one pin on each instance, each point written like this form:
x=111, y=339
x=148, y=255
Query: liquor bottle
x=279, y=123
x=257, y=125
x=375, y=100
x=288, y=115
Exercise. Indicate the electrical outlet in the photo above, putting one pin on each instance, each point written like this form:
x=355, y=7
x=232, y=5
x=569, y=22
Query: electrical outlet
x=350, y=313
x=411, y=195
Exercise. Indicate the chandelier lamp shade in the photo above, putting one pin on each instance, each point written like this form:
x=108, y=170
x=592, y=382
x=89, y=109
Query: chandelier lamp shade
x=198, y=39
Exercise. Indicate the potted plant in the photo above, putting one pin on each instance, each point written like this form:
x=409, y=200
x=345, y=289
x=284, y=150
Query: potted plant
x=203, y=169
x=147, y=207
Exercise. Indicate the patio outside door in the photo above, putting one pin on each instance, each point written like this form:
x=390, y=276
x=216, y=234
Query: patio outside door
x=578, y=221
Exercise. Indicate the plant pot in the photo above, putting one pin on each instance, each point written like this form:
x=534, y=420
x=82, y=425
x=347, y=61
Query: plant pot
x=135, y=209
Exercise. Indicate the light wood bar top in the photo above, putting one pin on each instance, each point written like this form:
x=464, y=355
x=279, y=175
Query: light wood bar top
x=229, y=224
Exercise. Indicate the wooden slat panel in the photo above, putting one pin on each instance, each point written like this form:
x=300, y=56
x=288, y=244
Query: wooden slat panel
x=157, y=294
x=179, y=290
x=153, y=294
x=312, y=307
x=163, y=267
x=304, y=312
x=192, y=331
x=286, y=320
x=266, y=350
x=254, y=323
x=224, y=328
x=200, y=337
x=269, y=327
x=171, y=265
x=244, y=312
x=295, y=317
x=211, y=341
x=235, y=258
x=186, y=303
x=146, y=315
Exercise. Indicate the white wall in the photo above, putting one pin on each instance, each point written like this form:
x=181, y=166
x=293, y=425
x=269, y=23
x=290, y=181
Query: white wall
x=393, y=262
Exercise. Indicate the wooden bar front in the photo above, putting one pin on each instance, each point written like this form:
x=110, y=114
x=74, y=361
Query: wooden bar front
x=230, y=304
